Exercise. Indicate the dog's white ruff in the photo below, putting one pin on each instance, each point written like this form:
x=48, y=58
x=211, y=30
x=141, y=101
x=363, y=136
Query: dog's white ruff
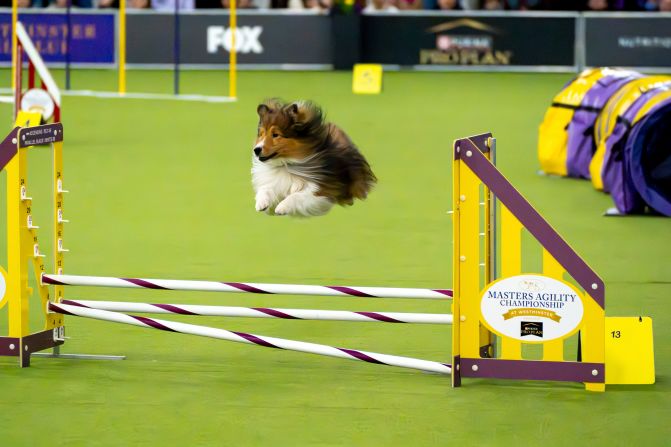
x=282, y=188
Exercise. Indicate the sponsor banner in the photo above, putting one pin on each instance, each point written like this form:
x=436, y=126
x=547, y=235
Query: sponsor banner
x=528, y=41
x=639, y=41
x=206, y=39
x=532, y=308
x=470, y=40
x=91, y=37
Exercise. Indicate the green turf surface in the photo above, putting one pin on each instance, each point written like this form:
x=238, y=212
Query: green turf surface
x=162, y=189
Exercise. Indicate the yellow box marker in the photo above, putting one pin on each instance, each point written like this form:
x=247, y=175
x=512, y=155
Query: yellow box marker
x=629, y=351
x=367, y=79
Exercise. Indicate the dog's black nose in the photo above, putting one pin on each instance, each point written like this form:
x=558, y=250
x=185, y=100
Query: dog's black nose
x=257, y=151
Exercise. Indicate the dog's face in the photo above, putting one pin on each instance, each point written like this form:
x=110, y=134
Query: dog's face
x=282, y=132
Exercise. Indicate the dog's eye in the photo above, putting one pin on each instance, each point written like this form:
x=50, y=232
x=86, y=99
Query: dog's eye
x=275, y=135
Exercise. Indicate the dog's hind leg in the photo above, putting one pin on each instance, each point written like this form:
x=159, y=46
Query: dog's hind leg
x=304, y=204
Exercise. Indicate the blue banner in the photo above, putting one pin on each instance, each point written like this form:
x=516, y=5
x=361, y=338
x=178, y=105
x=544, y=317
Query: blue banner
x=92, y=37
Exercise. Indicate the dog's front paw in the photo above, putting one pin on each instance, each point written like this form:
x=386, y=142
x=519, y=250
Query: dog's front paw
x=284, y=208
x=262, y=206
x=262, y=203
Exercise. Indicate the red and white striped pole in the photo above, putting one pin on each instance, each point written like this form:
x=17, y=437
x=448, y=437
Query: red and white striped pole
x=237, y=287
x=259, y=340
x=264, y=312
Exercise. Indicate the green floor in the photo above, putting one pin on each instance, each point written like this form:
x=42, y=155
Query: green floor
x=162, y=189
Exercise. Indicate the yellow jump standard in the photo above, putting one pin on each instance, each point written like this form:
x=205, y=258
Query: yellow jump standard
x=23, y=245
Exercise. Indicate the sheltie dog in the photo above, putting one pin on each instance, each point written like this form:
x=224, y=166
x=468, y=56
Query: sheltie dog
x=302, y=165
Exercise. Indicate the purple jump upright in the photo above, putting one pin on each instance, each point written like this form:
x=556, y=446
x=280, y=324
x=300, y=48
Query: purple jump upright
x=581, y=144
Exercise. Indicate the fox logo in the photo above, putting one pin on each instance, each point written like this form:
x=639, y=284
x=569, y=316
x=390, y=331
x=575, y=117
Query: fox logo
x=247, y=39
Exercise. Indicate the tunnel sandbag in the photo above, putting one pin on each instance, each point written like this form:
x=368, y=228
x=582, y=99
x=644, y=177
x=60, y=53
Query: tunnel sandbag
x=648, y=158
x=581, y=145
x=552, y=133
x=614, y=110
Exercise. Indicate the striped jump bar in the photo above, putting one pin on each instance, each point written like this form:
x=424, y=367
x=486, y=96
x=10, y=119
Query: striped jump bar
x=264, y=312
x=259, y=340
x=237, y=287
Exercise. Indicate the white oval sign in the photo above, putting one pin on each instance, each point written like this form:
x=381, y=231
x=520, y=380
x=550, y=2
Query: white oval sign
x=531, y=308
x=3, y=287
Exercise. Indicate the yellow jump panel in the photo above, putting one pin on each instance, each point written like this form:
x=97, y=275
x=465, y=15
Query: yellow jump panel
x=629, y=351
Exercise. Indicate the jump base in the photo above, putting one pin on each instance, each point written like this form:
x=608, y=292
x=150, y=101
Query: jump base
x=24, y=347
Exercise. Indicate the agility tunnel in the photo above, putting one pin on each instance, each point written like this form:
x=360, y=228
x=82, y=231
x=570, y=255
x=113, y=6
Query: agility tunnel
x=608, y=125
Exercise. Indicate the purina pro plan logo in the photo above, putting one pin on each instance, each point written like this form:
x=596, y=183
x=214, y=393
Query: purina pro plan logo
x=247, y=39
x=532, y=308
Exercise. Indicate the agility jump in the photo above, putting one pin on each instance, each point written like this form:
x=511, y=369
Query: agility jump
x=496, y=309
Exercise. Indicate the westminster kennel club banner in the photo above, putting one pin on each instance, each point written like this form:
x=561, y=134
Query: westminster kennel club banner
x=90, y=37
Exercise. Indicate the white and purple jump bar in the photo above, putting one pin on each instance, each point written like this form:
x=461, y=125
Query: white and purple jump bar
x=237, y=287
x=264, y=312
x=241, y=337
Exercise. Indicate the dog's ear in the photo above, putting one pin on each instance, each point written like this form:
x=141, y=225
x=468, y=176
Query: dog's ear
x=262, y=109
x=293, y=111
x=304, y=114
x=297, y=112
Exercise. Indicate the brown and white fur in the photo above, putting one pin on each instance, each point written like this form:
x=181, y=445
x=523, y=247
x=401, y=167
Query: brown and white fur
x=302, y=165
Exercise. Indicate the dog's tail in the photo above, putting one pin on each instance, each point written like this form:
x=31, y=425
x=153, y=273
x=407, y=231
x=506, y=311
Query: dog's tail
x=363, y=179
